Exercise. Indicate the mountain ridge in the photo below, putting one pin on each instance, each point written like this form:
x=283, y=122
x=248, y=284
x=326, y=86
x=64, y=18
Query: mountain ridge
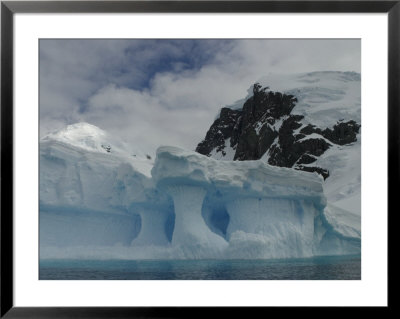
x=267, y=128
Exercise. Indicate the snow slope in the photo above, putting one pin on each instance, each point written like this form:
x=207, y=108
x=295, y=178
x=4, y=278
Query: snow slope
x=88, y=138
x=323, y=99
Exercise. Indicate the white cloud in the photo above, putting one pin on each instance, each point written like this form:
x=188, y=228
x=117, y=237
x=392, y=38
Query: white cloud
x=179, y=105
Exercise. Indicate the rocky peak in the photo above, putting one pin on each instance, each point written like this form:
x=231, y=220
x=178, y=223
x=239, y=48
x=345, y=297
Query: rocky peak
x=266, y=128
x=266, y=103
x=227, y=126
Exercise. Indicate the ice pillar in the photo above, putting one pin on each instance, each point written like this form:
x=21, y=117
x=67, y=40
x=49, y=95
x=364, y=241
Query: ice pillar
x=190, y=228
x=152, y=231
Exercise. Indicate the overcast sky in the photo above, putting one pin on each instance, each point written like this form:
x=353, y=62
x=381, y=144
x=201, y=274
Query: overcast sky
x=167, y=92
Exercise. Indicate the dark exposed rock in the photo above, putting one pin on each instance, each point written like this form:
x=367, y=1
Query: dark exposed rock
x=265, y=124
x=267, y=137
x=266, y=104
x=323, y=172
x=247, y=148
x=306, y=159
x=260, y=112
x=341, y=134
x=224, y=127
x=288, y=151
x=314, y=146
x=309, y=129
x=106, y=147
x=299, y=137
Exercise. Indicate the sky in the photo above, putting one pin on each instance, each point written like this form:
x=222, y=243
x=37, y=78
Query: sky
x=167, y=92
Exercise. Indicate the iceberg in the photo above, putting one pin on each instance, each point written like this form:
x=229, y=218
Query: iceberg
x=105, y=203
x=269, y=207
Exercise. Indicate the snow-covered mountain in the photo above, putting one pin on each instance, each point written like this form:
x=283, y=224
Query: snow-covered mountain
x=308, y=121
x=98, y=200
x=89, y=138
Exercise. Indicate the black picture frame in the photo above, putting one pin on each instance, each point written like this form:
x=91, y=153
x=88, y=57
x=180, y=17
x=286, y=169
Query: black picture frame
x=9, y=8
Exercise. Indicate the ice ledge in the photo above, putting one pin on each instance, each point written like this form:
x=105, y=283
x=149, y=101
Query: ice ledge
x=248, y=178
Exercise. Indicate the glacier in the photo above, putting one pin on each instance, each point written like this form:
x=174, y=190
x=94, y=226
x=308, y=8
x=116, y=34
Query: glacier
x=100, y=200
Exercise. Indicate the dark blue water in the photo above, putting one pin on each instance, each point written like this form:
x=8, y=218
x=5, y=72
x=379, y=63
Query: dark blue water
x=316, y=268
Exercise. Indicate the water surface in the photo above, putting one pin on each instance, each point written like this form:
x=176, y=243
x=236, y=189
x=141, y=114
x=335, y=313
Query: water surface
x=316, y=268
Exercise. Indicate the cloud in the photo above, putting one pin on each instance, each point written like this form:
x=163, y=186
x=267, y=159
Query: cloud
x=154, y=92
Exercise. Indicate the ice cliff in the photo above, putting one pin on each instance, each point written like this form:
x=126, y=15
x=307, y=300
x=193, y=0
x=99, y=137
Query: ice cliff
x=98, y=199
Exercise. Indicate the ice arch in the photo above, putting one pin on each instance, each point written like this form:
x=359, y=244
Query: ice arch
x=190, y=227
x=152, y=230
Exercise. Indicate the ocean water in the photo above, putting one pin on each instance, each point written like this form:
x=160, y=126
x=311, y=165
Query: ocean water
x=316, y=268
